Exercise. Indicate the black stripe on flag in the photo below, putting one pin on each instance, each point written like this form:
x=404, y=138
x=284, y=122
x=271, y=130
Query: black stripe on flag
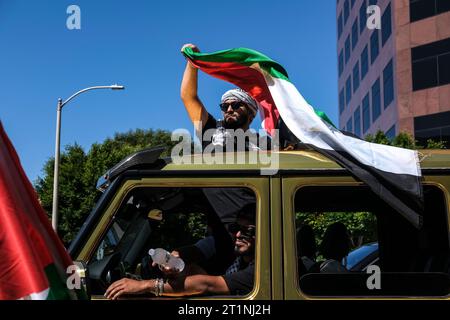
x=402, y=192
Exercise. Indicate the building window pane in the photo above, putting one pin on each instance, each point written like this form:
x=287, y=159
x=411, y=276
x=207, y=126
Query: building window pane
x=431, y=49
x=442, y=6
x=340, y=26
x=364, y=62
x=434, y=126
x=350, y=125
x=347, y=49
x=346, y=11
x=425, y=73
x=356, y=76
x=357, y=119
x=348, y=90
x=341, y=101
x=386, y=26
x=444, y=69
x=355, y=34
x=353, y=3
x=366, y=113
x=341, y=62
x=390, y=134
x=374, y=46
x=431, y=64
x=388, y=84
x=376, y=100
x=421, y=9
x=362, y=17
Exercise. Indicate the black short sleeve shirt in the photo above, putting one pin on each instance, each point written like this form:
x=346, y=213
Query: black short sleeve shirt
x=241, y=282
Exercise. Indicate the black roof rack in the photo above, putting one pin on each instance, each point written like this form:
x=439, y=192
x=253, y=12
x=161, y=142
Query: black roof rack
x=146, y=158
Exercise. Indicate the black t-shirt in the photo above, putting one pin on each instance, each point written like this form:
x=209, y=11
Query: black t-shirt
x=241, y=282
x=263, y=142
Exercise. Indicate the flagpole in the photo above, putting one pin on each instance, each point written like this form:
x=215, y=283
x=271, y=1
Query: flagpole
x=60, y=105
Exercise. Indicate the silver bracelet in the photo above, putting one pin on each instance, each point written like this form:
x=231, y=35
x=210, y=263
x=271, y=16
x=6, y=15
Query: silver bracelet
x=160, y=287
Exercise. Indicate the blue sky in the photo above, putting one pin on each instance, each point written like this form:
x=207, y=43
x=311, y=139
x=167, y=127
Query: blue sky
x=137, y=43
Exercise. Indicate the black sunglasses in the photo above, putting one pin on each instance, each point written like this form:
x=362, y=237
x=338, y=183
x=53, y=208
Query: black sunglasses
x=247, y=232
x=234, y=105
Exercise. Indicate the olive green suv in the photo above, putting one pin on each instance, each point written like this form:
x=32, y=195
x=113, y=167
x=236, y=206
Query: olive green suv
x=150, y=202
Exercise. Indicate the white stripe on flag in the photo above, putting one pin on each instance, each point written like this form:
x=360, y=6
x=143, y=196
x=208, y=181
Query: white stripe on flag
x=37, y=296
x=301, y=119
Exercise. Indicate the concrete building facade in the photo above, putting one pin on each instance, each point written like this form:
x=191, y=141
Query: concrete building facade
x=395, y=78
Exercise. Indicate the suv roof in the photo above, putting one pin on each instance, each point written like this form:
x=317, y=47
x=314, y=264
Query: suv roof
x=302, y=160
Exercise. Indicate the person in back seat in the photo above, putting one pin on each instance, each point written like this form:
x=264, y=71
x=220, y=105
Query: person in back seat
x=306, y=249
x=335, y=247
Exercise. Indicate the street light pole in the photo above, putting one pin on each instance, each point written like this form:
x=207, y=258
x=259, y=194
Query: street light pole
x=60, y=105
x=56, y=167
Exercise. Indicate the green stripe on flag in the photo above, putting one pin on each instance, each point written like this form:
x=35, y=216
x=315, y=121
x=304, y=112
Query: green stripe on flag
x=58, y=286
x=324, y=117
x=243, y=56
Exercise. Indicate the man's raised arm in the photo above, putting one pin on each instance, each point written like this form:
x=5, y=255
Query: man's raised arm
x=197, y=112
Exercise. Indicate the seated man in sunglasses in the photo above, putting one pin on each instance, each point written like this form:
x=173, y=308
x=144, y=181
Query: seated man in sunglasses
x=216, y=252
x=237, y=280
x=238, y=110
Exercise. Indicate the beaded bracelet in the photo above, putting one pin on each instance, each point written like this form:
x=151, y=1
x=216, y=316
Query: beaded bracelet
x=155, y=290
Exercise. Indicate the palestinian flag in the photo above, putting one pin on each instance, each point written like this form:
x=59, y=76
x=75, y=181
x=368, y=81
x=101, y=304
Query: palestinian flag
x=33, y=260
x=392, y=173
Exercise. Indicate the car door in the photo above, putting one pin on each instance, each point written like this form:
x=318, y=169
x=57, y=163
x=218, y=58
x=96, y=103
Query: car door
x=131, y=221
x=411, y=263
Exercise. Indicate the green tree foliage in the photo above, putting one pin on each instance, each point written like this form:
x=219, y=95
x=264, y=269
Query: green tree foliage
x=432, y=144
x=79, y=172
x=178, y=230
x=361, y=225
x=379, y=137
x=72, y=189
x=404, y=140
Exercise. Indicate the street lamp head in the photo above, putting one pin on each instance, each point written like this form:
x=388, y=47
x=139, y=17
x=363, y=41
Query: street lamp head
x=117, y=87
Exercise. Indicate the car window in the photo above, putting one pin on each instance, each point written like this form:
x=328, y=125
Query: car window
x=200, y=224
x=349, y=235
x=122, y=220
